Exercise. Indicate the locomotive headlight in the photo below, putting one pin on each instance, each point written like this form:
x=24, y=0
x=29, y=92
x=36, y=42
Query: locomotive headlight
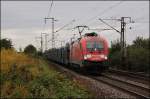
x=88, y=55
x=106, y=57
x=85, y=57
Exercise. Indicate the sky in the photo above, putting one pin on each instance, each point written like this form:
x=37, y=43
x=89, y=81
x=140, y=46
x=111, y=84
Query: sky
x=23, y=21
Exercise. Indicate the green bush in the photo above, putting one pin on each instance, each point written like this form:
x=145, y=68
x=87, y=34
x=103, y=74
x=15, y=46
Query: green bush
x=115, y=59
x=5, y=43
x=138, y=59
x=137, y=56
x=55, y=85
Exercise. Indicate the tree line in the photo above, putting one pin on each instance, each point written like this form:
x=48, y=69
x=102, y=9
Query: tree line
x=7, y=44
x=138, y=55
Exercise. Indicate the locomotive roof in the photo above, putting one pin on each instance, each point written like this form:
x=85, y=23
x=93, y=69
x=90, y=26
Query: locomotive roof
x=93, y=36
x=90, y=37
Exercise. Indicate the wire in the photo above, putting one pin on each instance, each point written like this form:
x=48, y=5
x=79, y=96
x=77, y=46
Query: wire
x=49, y=12
x=104, y=11
x=65, y=25
x=109, y=26
x=142, y=22
x=140, y=18
x=50, y=9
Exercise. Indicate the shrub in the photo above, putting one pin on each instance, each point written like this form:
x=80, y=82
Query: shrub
x=138, y=59
x=137, y=56
x=5, y=43
x=26, y=77
x=30, y=49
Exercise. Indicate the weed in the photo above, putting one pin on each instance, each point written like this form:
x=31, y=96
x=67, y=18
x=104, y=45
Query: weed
x=23, y=76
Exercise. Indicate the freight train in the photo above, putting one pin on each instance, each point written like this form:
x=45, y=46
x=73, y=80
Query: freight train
x=89, y=52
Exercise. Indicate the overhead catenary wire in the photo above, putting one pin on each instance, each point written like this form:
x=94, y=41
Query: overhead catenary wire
x=103, y=12
x=65, y=26
x=142, y=22
x=49, y=12
x=96, y=15
x=109, y=25
x=139, y=18
x=50, y=9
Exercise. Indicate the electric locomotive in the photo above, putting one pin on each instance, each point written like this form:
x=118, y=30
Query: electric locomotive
x=89, y=52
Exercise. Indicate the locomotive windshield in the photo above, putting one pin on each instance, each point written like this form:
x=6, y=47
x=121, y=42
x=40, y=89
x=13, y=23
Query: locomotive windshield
x=91, y=46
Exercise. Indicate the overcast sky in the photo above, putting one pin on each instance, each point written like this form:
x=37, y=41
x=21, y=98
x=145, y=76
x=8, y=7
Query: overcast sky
x=22, y=21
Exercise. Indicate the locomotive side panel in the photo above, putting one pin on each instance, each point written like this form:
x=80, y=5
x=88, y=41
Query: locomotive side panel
x=75, y=53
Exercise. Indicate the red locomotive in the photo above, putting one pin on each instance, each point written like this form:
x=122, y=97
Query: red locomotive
x=88, y=52
x=91, y=51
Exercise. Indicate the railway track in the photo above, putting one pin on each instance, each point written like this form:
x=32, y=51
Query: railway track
x=130, y=75
x=115, y=82
x=133, y=89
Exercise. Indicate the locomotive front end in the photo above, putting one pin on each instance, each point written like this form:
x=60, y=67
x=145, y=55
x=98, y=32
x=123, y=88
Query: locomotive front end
x=95, y=51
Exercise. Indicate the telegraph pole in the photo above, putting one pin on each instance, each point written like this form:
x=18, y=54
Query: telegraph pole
x=41, y=43
x=123, y=41
x=122, y=37
x=53, y=38
x=45, y=40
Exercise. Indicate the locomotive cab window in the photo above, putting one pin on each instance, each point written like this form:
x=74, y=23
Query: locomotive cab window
x=99, y=45
x=89, y=45
x=94, y=45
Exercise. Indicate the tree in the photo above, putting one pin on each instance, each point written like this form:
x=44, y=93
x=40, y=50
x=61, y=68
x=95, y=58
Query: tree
x=140, y=42
x=115, y=54
x=138, y=55
x=5, y=43
x=138, y=59
x=115, y=46
x=30, y=49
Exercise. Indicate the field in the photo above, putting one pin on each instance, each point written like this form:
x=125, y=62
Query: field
x=23, y=76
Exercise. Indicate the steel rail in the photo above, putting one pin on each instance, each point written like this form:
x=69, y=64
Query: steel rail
x=141, y=78
x=125, y=86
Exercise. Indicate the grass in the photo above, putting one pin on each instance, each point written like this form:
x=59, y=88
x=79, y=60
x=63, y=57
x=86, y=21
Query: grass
x=23, y=76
